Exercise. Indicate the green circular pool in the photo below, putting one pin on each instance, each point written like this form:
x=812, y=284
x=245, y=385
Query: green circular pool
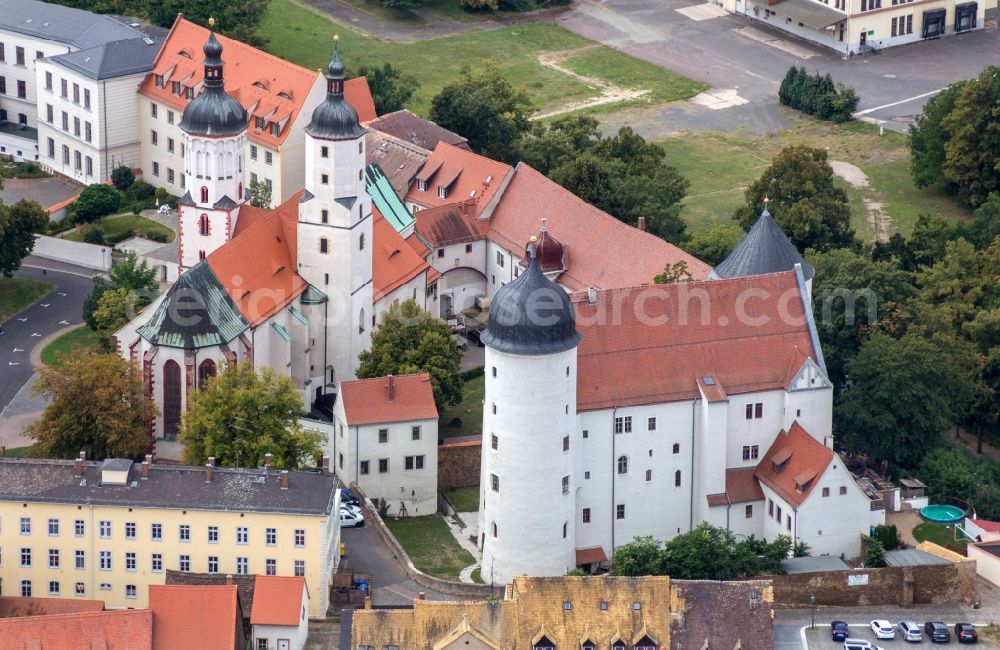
x=942, y=514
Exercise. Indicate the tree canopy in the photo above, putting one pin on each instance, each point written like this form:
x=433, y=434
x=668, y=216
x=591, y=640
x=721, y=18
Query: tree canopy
x=98, y=405
x=95, y=201
x=18, y=225
x=243, y=414
x=390, y=89
x=810, y=209
x=138, y=285
x=715, y=243
x=409, y=340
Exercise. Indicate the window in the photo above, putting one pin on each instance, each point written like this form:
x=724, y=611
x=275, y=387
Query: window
x=242, y=536
x=565, y=443
x=156, y=169
x=130, y=561
x=53, y=527
x=620, y=511
x=758, y=410
x=751, y=452
x=170, y=145
x=185, y=563
x=105, y=557
x=826, y=491
x=65, y=155
x=80, y=560
x=268, y=158
x=63, y=88
x=26, y=589
x=213, y=563
x=53, y=587
x=86, y=98
x=3, y=86
x=324, y=179
x=76, y=93
x=262, y=644
x=22, y=89
x=104, y=528
x=130, y=592
x=300, y=538
x=49, y=113
x=77, y=160
x=565, y=485
x=586, y=515
x=443, y=194
x=324, y=151
x=87, y=132
x=300, y=568
x=52, y=148
x=271, y=536
x=156, y=532
x=843, y=490
x=152, y=107
x=748, y=511
x=494, y=482
x=788, y=522
x=649, y=475
x=586, y=433
x=651, y=424
x=157, y=562
x=170, y=176
x=19, y=54
x=383, y=465
x=676, y=448
x=777, y=514
x=623, y=424
x=383, y=435
x=130, y=530
x=175, y=88
x=677, y=478
x=324, y=245
x=493, y=527
x=154, y=138
x=414, y=462
x=242, y=566
x=270, y=567
x=623, y=464
x=361, y=242
x=364, y=467
x=81, y=590
x=213, y=534
x=253, y=152
x=48, y=75
x=65, y=121
x=324, y=215
x=494, y=442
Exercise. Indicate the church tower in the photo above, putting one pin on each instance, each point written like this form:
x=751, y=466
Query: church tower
x=214, y=127
x=529, y=416
x=335, y=225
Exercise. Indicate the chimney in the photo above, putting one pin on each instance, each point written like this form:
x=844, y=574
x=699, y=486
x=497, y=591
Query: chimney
x=642, y=224
x=229, y=579
x=390, y=388
x=145, y=470
x=326, y=463
x=267, y=461
x=78, y=468
x=421, y=596
x=3, y=451
x=211, y=461
x=83, y=456
x=208, y=471
x=284, y=479
x=149, y=458
x=368, y=602
x=591, y=295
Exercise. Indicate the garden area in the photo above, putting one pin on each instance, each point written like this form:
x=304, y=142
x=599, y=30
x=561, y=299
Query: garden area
x=431, y=546
x=940, y=534
x=82, y=339
x=117, y=228
x=18, y=293
x=465, y=499
x=466, y=417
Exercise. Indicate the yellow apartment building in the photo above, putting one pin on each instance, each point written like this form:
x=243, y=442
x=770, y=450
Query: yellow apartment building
x=106, y=531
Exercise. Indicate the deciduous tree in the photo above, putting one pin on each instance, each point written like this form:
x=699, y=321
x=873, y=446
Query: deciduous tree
x=715, y=243
x=122, y=177
x=973, y=139
x=18, y=225
x=95, y=201
x=928, y=138
x=260, y=195
x=390, y=89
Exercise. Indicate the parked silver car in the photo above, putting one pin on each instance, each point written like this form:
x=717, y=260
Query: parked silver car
x=910, y=631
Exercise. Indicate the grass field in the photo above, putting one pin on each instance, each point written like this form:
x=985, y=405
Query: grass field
x=18, y=452
x=80, y=339
x=721, y=165
x=122, y=226
x=469, y=411
x=18, y=293
x=939, y=534
x=303, y=36
x=430, y=545
x=465, y=499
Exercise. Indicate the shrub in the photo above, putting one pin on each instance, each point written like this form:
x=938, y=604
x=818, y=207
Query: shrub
x=140, y=191
x=480, y=5
x=122, y=177
x=156, y=235
x=136, y=208
x=94, y=235
x=472, y=373
x=817, y=95
x=888, y=536
x=95, y=201
x=874, y=553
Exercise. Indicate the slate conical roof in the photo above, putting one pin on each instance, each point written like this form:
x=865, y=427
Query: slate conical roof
x=764, y=249
x=531, y=315
x=334, y=118
x=214, y=112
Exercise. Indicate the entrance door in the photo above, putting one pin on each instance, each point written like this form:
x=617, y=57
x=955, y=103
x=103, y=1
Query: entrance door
x=283, y=644
x=965, y=16
x=934, y=23
x=447, y=310
x=864, y=38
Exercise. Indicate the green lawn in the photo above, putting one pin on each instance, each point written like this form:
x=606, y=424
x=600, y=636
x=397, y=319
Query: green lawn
x=465, y=499
x=302, y=35
x=79, y=340
x=18, y=293
x=122, y=226
x=939, y=534
x=607, y=63
x=430, y=545
x=18, y=452
x=469, y=411
x=477, y=575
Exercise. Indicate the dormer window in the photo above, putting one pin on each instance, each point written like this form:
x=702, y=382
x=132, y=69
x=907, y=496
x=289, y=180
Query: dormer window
x=189, y=93
x=618, y=645
x=780, y=460
x=275, y=129
x=645, y=643
x=285, y=95
x=260, y=84
x=422, y=185
x=543, y=644
x=588, y=645
x=259, y=123
x=158, y=80
x=442, y=192
x=175, y=87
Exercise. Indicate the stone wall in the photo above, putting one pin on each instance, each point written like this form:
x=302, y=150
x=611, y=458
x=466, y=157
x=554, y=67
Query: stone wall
x=458, y=464
x=903, y=586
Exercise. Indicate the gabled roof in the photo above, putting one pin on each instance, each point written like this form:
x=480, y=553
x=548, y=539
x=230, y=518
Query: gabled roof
x=384, y=198
x=388, y=399
x=416, y=130
x=793, y=463
x=394, y=262
x=988, y=526
x=181, y=610
x=258, y=266
x=587, y=234
x=399, y=160
x=244, y=585
x=114, y=59
x=742, y=485
x=694, y=329
x=464, y=173
x=123, y=629
x=212, y=318
x=277, y=600
x=358, y=94
x=17, y=606
x=75, y=27
x=764, y=249
x=454, y=223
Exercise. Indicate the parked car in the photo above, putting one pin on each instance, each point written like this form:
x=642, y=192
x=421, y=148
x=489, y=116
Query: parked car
x=351, y=519
x=838, y=630
x=966, y=633
x=910, y=631
x=937, y=632
x=883, y=629
x=347, y=497
x=475, y=336
x=860, y=644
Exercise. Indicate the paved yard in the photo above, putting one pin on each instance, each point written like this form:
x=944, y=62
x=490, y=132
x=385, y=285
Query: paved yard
x=47, y=191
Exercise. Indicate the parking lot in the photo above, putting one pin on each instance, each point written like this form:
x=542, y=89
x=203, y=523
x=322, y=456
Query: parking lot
x=819, y=638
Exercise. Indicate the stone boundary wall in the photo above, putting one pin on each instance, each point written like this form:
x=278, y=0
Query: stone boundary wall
x=460, y=589
x=902, y=586
x=458, y=464
x=91, y=256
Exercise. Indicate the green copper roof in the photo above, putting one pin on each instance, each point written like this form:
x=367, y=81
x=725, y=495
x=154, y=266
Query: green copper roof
x=312, y=296
x=385, y=199
x=197, y=312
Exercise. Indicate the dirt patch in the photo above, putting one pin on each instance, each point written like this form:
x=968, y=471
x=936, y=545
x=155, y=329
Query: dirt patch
x=850, y=173
x=610, y=93
x=879, y=222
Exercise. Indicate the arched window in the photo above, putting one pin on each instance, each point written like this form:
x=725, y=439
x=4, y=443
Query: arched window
x=649, y=475
x=623, y=464
x=206, y=370
x=171, y=398
x=361, y=242
x=204, y=194
x=203, y=228
x=361, y=321
x=494, y=531
x=677, y=478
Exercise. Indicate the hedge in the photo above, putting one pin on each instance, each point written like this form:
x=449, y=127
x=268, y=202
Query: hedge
x=817, y=95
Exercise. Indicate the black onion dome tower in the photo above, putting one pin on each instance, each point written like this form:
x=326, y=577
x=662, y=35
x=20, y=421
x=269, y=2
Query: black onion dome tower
x=531, y=315
x=214, y=112
x=334, y=118
x=764, y=249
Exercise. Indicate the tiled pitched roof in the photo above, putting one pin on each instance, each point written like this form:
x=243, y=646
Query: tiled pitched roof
x=398, y=159
x=586, y=233
x=988, y=526
x=258, y=266
x=359, y=96
x=742, y=485
x=416, y=130
x=793, y=463
x=367, y=401
x=463, y=172
x=693, y=328
x=207, y=611
x=244, y=585
x=454, y=223
x=15, y=606
x=394, y=262
x=277, y=600
x=747, y=621
x=124, y=629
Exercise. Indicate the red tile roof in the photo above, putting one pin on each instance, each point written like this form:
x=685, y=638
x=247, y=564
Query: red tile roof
x=16, y=606
x=988, y=526
x=804, y=460
x=455, y=223
x=258, y=266
x=464, y=173
x=394, y=262
x=631, y=335
x=742, y=485
x=414, y=129
x=277, y=600
x=590, y=555
x=178, y=610
x=125, y=629
x=586, y=233
x=359, y=96
x=367, y=401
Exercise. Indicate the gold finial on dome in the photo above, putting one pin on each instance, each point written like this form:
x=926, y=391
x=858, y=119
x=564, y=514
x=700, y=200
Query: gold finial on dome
x=211, y=22
x=534, y=239
x=766, y=200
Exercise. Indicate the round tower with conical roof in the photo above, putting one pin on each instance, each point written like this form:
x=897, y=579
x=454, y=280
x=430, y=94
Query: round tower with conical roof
x=528, y=494
x=214, y=128
x=335, y=224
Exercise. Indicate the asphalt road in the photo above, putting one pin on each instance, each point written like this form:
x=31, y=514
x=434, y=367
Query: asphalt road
x=56, y=310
